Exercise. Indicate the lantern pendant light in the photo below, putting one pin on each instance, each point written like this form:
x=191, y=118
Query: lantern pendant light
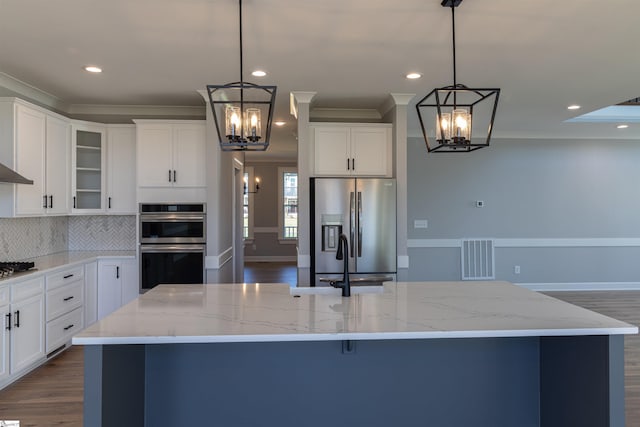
x=243, y=106
x=451, y=117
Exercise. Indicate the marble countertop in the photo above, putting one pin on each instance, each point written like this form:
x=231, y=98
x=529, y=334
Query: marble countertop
x=48, y=263
x=405, y=310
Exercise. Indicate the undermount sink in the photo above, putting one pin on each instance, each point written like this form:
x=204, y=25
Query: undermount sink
x=328, y=290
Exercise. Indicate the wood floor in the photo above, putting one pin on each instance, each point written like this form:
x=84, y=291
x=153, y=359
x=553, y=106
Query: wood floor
x=52, y=394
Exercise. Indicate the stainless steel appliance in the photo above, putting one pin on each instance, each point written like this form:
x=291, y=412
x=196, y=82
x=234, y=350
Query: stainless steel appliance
x=364, y=209
x=172, y=244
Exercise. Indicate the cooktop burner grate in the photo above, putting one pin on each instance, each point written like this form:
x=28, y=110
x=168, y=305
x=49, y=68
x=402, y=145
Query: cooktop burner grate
x=8, y=268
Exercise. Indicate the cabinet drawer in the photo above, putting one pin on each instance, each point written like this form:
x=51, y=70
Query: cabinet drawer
x=56, y=280
x=61, y=330
x=26, y=289
x=64, y=299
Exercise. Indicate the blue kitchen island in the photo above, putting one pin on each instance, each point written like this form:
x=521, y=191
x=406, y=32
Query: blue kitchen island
x=405, y=354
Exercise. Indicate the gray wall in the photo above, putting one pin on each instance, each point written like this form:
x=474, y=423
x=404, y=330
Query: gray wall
x=533, y=191
x=265, y=244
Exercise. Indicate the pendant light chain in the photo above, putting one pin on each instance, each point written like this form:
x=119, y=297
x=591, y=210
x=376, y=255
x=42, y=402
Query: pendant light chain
x=453, y=25
x=241, y=70
x=453, y=38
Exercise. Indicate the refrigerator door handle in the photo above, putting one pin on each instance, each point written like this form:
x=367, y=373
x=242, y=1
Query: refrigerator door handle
x=352, y=220
x=359, y=224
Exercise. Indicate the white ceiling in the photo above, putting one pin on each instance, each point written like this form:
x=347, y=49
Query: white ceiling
x=543, y=54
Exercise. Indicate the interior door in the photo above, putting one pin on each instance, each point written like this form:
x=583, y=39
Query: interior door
x=238, y=244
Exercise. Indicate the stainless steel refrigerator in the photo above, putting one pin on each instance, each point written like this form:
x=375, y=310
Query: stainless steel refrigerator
x=364, y=209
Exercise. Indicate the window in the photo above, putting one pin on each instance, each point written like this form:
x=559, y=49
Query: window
x=288, y=204
x=247, y=208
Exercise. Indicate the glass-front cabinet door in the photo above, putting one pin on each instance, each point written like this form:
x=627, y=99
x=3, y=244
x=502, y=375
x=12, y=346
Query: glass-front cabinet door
x=88, y=158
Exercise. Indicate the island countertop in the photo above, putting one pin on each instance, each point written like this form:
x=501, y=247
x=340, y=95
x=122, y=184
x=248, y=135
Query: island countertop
x=213, y=313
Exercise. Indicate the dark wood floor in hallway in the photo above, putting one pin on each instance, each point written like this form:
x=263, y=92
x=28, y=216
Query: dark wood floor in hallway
x=52, y=394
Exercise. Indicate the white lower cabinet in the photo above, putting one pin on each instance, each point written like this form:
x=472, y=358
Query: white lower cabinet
x=117, y=284
x=90, y=293
x=4, y=333
x=26, y=324
x=65, y=300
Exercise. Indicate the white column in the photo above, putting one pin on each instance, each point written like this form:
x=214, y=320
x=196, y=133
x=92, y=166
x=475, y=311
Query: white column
x=299, y=107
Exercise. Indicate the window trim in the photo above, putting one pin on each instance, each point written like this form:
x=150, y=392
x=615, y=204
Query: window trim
x=281, y=171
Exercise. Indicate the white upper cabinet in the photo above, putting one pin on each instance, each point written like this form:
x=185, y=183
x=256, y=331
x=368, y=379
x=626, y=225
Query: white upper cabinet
x=88, y=166
x=36, y=145
x=171, y=159
x=171, y=154
x=121, y=169
x=350, y=149
x=58, y=166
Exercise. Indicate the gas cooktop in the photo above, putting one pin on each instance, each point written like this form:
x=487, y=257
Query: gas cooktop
x=8, y=268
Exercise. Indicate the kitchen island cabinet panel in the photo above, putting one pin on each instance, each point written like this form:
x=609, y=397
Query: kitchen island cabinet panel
x=482, y=354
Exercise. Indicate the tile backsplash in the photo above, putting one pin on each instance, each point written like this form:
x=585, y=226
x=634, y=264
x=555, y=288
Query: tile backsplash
x=106, y=232
x=23, y=238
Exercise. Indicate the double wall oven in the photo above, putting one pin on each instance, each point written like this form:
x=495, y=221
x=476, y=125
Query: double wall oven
x=172, y=243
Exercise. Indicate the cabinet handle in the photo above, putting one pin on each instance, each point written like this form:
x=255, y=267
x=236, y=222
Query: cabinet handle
x=117, y=272
x=174, y=175
x=169, y=175
x=67, y=276
x=74, y=202
x=8, y=322
x=44, y=201
x=348, y=164
x=17, y=324
x=51, y=202
x=68, y=298
x=69, y=327
x=109, y=202
x=353, y=164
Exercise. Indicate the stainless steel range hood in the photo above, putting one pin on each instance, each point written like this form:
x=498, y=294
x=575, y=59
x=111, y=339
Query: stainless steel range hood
x=10, y=176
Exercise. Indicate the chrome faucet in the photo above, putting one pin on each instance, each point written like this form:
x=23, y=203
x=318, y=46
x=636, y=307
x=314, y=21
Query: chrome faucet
x=343, y=254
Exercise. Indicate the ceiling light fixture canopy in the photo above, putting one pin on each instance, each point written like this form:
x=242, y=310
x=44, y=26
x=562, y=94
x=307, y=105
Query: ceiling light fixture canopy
x=245, y=109
x=451, y=115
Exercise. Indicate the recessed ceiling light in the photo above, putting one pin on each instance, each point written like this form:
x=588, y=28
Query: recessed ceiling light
x=413, y=76
x=280, y=123
x=622, y=126
x=259, y=73
x=573, y=107
x=93, y=69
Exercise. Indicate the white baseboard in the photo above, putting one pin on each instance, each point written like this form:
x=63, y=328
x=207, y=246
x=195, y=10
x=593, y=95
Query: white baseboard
x=582, y=286
x=270, y=258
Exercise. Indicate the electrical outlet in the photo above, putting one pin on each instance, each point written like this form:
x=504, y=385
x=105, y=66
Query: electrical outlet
x=420, y=223
x=516, y=269
x=253, y=247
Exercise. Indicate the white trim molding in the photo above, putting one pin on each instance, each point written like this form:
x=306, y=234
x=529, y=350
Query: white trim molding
x=582, y=286
x=270, y=258
x=304, y=261
x=403, y=261
x=265, y=230
x=532, y=243
x=216, y=262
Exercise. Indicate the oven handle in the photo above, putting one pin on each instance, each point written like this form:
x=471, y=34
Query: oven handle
x=172, y=218
x=172, y=248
